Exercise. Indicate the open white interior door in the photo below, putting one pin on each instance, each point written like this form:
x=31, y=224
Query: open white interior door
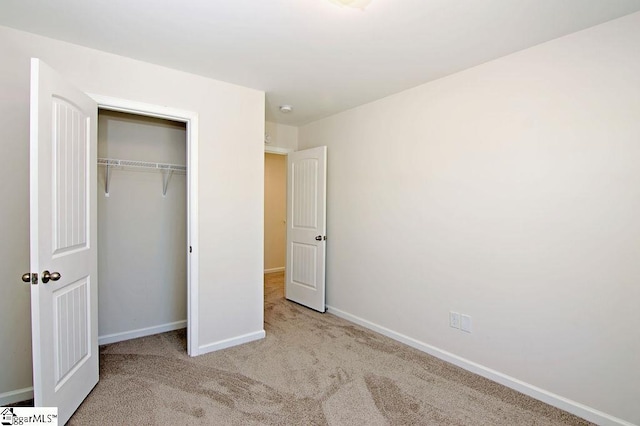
x=63, y=246
x=306, y=227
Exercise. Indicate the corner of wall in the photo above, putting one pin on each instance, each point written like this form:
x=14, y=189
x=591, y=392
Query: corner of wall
x=281, y=136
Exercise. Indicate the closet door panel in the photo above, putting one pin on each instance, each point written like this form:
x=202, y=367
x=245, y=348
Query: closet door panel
x=70, y=177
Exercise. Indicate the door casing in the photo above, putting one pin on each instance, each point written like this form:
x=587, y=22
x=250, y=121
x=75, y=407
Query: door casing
x=191, y=120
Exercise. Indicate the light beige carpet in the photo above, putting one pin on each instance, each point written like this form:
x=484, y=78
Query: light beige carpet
x=311, y=369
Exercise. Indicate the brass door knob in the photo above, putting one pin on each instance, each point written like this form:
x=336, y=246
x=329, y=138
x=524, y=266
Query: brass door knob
x=53, y=276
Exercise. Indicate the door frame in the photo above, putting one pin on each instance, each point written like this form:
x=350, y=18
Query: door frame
x=276, y=150
x=191, y=120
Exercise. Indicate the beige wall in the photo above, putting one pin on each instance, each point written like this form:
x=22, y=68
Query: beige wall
x=142, y=235
x=275, y=211
x=509, y=192
x=230, y=195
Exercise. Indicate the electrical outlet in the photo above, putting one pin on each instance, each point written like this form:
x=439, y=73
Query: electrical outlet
x=465, y=323
x=454, y=319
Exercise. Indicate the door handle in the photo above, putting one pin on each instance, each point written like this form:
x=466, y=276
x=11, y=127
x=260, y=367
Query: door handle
x=30, y=278
x=53, y=276
x=319, y=238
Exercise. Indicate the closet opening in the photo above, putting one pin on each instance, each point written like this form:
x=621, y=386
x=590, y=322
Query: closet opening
x=145, y=193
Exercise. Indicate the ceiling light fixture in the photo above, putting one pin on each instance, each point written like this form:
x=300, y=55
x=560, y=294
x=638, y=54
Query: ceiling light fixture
x=358, y=4
x=286, y=108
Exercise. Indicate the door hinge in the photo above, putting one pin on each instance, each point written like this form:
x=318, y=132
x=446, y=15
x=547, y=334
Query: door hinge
x=190, y=249
x=30, y=278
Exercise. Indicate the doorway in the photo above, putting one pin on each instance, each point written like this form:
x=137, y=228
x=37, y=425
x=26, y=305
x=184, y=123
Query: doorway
x=142, y=221
x=275, y=212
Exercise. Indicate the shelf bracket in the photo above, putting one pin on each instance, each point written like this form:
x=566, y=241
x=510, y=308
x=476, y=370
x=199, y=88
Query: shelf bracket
x=166, y=177
x=107, y=179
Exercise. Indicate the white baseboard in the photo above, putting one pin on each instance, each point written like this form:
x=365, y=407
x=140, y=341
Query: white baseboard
x=12, y=397
x=234, y=341
x=268, y=271
x=550, y=398
x=141, y=332
x=27, y=393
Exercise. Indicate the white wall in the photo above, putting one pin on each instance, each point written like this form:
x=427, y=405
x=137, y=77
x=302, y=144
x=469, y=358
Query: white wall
x=282, y=136
x=509, y=192
x=15, y=314
x=142, y=235
x=231, y=164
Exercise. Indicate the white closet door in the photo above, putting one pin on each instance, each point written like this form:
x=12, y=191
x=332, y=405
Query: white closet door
x=63, y=247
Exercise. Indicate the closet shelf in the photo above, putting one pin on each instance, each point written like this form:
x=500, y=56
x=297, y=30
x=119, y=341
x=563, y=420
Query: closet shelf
x=141, y=164
x=166, y=169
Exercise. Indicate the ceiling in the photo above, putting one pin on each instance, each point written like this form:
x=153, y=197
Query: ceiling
x=312, y=54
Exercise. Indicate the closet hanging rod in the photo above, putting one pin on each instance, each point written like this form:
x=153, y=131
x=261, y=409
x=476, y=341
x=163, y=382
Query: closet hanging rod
x=166, y=169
